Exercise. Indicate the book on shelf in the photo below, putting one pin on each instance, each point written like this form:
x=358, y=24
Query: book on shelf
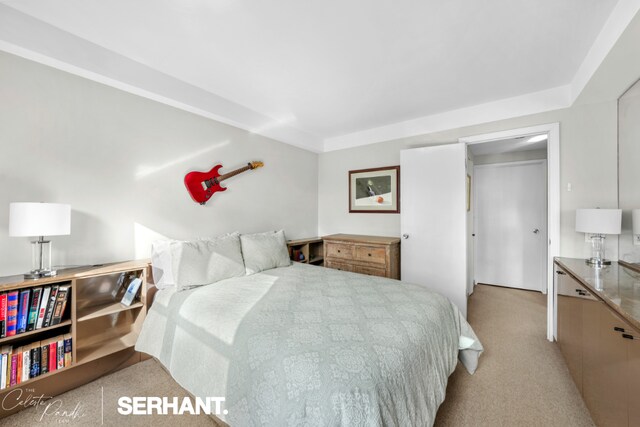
x=44, y=357
x=67, y=349
x=18, y=353
x=4, y=363
x=23, y=310
x=30, y=361
x=34, y=357
x=34, y=306
x=53, y=354
x=44, y=301
x=14, y=369
x=60, y=352
x=49, y=311
x=12, y=312
x=60, y=304
x=3, y=315
x=26, y=363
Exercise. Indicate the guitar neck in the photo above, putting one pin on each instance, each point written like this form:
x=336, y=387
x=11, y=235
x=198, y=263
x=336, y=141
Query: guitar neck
x=233, y=173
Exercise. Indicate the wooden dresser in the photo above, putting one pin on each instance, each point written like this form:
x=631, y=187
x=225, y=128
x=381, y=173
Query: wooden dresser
x=373, y=255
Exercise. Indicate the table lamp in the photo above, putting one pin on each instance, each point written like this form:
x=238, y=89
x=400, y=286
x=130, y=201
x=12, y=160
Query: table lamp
x=598, y=223
x=39, y=220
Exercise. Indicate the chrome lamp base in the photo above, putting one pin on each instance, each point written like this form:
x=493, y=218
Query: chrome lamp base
x=597, y=262
x=38, y=274
x=597, y=259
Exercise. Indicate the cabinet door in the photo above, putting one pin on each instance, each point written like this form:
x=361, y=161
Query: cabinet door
x=570, y=326
x=633, y=375
x=605, y=368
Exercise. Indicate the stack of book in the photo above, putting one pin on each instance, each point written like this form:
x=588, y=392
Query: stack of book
x=29, y=361
x=29, y=309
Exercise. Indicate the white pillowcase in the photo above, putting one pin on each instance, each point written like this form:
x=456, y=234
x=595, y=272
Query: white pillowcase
x=161, y=264
x=185, y=264
x=262, y=251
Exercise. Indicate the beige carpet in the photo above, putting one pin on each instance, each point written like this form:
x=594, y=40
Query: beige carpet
x=521, y=381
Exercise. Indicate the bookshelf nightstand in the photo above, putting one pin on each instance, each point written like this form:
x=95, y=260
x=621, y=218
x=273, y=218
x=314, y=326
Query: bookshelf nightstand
x=103, y=331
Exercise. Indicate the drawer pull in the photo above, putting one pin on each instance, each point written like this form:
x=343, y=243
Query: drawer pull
x=562, y=273
x=338, y=250
x=627, y=336
x=369, y=254
x=618, y=329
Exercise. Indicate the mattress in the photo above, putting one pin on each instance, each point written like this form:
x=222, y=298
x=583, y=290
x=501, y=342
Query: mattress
x=306, y=345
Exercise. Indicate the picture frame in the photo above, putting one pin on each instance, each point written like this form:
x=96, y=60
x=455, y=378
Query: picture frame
x=375, y=190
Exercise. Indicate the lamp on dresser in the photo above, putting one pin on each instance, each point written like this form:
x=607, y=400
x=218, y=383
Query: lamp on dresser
x=598, y=223
x=39, y=220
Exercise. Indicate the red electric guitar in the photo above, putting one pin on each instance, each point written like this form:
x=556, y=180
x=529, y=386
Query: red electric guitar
x=202, y=185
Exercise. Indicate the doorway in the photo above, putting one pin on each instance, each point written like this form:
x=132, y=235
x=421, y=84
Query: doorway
x=519, y=145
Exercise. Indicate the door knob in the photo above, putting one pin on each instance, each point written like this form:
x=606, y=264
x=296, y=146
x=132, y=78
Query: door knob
x=405, y=236
x=536, y=231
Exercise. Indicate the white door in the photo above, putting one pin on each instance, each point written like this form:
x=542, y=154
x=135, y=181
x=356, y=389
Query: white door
x=433, y=219
x=510, y=224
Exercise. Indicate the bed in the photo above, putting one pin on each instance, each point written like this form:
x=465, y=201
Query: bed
x=306, y=345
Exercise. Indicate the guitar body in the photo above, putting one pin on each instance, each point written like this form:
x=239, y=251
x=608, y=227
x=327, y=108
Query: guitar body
x=202, y=185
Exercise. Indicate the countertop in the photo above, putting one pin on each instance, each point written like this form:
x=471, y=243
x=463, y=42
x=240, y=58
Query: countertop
x=616, y=285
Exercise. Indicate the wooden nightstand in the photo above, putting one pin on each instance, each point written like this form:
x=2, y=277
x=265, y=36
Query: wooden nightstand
x=103, y=331
x=373, y=255
x=310, y=248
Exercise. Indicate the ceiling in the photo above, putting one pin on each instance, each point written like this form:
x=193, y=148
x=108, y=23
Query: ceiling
x=326, y=74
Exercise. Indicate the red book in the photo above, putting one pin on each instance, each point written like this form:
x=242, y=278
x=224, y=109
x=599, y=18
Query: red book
x=53, y=359
x=19, y=365
x=14, y=369
x=12, y=312
x=3, y=315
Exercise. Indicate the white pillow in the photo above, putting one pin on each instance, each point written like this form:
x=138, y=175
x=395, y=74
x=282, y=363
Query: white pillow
x=262, y=251
x=186, y=264
x=161, y=264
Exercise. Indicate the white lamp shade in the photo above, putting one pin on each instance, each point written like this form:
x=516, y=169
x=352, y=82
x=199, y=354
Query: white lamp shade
x=635, y=218
x=39, y=219
x=599, y=221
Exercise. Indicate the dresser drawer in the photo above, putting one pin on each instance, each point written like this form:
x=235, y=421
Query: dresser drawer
x=371, y=254
x=337, y=265
x=370, y=270
x=339, y=250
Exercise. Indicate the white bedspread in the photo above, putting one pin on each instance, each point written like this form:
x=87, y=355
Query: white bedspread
x=310, y=346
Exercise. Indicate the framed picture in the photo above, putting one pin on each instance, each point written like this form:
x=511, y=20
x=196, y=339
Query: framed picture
x=375, y=190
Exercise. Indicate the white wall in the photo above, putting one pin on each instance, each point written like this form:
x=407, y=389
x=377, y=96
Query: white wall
x=588, y=160
x=588, y=153
x=514, y=156
x=119, y=160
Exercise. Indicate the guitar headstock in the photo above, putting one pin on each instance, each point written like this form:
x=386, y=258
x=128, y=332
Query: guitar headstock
x=255, y=165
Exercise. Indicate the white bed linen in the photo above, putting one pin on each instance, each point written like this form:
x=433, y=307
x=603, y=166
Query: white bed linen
x=305, y=345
